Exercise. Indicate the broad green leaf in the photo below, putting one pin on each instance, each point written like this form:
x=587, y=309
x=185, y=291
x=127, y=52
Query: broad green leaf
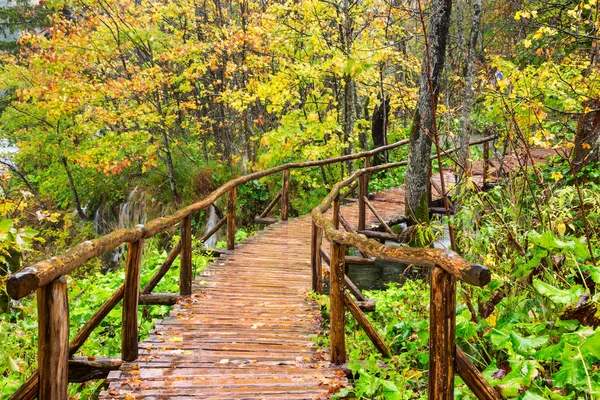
x=531, y=396
x=592, y=344
x=525, y=344
x=571, y=372
x=558, y=295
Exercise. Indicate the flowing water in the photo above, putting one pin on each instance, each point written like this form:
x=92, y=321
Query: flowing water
x=213, y=218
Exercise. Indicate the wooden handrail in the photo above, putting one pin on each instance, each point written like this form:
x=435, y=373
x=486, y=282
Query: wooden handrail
x=451, y=262
x=45, y=276
x=444, y=356
x=42, y=273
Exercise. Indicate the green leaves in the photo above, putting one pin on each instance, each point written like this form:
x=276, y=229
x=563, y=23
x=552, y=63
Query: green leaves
x=558, y=295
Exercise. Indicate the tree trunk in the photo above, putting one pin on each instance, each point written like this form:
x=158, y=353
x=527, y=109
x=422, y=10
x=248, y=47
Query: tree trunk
x=171, y=169
x=73, y=189
x=379, y=128
x=587, y=137
x=423, y=126
x=463, y=140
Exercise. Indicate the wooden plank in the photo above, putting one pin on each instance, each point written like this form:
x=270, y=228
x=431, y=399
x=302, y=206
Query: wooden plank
x=231, y=218
x=285, y=195
x=163, y=299
x=359, y=260
x=336, y=307
x=129, y=340
x=246, y=325
x=265, y=220
x=84, y=369
x=53, y=340
x=442, y=330
x=381, y=235
x=364, y=323
x=473, y=378
x=185, y=267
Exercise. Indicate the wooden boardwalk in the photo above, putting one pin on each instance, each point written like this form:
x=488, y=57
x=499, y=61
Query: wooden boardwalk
x=248, y=330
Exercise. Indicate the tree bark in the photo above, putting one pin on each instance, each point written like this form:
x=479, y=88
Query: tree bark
x=73, y=189
x=463, y=139
x=587, y=137
x=379, y=129
x=423, y=126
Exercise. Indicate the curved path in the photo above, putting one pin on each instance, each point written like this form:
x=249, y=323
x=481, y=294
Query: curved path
x=248, y=330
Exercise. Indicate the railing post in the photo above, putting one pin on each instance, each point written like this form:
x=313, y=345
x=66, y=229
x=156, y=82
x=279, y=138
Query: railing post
x=53, y=340
x=336, y=211
x=486, y=161
x=285, y=195
x=185, y=257
x=442, y=347
x=336, y=298
x=129, y=350
x=363, y=191
x=315, y=258
x=231, y=218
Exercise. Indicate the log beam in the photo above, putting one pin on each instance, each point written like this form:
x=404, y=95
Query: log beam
x=53, y=340
x=129, y=347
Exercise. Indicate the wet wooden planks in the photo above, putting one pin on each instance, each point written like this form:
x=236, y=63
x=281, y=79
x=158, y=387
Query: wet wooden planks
x=248, y=330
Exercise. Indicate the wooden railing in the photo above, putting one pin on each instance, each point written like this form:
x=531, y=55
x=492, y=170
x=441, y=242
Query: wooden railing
x=445, y=358
x=56, y=362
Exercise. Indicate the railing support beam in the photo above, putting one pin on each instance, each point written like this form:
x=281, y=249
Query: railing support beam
x=285, y=195
x=442, y=329
x=363, y=191
x=315, y=258
x=336, y=298
x=231, y=218
x=53, y=347
x=185, y=262
x=129, y=350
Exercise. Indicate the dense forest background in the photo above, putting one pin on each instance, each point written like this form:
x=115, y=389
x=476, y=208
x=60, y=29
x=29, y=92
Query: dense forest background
x=113, y=112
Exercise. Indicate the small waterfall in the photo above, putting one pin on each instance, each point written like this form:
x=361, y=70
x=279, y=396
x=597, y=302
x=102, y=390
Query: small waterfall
x=213, y=218
x=131, y=212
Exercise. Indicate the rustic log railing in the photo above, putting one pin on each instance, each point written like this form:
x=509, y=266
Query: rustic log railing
x=57, y=364
x=445, y=358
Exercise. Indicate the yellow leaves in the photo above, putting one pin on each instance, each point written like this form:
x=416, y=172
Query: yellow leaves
x=586, y=146
x=561, y=228
x=527, y=43
x=556, y=176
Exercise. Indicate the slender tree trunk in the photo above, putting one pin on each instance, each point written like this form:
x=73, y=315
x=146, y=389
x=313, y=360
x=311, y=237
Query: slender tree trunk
x=171, y=169
x=349, y=110
x=379, y=128
x=349, y=118
x=73, y=189
x=463, y=139
x=587, y=137
x=423, y=126
x=16, y=171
